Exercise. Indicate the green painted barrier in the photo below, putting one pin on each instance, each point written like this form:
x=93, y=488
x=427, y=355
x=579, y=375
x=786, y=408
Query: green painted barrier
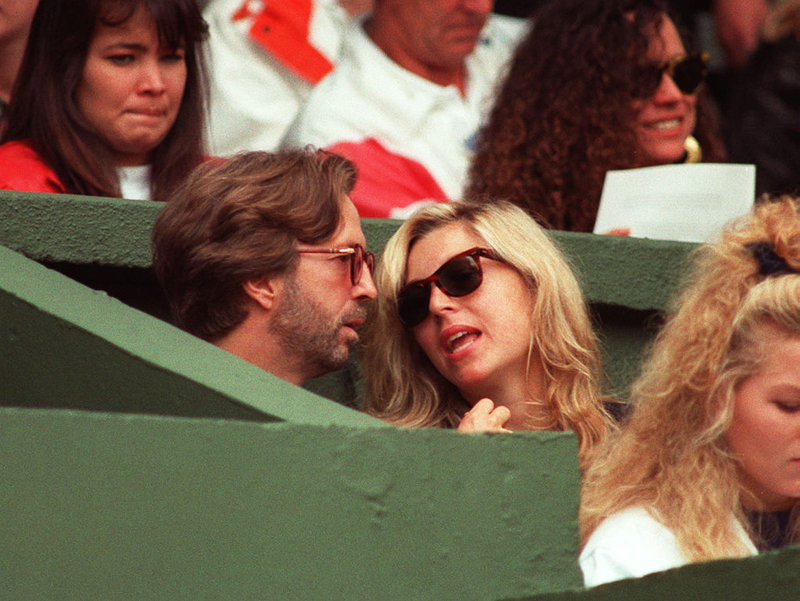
x=101, y=506
x=64, y=345
x=79, y=230
x=771, y=576
x=104, y=243
x=318, y=501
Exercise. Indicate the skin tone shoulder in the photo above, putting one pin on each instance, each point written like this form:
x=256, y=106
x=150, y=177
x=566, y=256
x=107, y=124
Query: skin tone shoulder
x=479, y=342
x=131, y=88
x=764, y=435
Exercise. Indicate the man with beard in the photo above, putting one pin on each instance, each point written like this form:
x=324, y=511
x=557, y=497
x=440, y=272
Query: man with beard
x=263, y=255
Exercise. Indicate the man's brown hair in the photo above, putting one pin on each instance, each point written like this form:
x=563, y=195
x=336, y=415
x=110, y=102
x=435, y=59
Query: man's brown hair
x=241, y=218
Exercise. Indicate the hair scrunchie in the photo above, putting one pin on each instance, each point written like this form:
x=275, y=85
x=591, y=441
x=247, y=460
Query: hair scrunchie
x=769, y=263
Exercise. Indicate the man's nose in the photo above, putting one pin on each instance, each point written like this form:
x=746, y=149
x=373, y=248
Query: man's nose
x=366, y=285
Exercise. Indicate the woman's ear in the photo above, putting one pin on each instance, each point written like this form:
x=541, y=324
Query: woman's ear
x=264, y=291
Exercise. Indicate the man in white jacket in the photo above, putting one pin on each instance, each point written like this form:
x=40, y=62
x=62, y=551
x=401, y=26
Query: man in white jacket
x=412, y=84
x=265, y=57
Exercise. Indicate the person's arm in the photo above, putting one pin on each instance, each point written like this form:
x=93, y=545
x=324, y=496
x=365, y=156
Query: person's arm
x=22, y=169
x=738, y=24
x=389, y=184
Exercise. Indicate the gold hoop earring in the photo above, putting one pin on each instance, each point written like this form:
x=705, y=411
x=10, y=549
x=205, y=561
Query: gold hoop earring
x=694, y=154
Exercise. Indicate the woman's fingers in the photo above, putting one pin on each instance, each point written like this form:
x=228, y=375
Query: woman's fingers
x=485, y=417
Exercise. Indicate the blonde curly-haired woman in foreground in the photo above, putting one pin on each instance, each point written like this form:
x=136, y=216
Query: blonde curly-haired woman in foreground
x=708, y=465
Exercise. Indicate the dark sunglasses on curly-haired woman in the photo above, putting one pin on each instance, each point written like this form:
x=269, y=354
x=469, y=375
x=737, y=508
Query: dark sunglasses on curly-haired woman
x=688, y=71
x=458, y=276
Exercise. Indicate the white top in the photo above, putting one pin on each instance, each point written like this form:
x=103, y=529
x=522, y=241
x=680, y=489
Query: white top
x=254, y=96
x=631, y=544
x=369, y=96
x=134, y=182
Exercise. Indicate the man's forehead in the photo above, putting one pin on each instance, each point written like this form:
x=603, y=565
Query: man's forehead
x=349, y=231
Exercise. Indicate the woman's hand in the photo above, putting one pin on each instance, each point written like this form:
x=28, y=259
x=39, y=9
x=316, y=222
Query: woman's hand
x=485, y=417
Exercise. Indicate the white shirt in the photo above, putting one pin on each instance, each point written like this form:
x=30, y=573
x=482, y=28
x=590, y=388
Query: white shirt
x=369, y=97
x=631, y=544
x=254, y=96
x=134, y=182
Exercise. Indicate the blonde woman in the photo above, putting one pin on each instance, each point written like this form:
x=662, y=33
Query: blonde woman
x=708, y=465
x=480, y=325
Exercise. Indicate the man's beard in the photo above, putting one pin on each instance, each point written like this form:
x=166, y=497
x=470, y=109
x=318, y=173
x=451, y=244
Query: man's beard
x=309, y=334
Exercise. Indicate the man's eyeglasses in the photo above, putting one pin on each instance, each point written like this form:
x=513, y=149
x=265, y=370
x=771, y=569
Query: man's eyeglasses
x=688, y=71
x=358, y=257
x=459, y=276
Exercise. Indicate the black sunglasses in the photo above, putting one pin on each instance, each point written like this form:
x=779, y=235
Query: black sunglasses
x=458, y=276
x=358, y=257
x=688, y=71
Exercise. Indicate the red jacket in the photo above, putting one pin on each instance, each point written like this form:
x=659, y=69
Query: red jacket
x=23, y=169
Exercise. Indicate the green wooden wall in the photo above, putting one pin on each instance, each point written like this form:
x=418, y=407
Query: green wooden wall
x=112, y=506
x=140, y=462
x=104, y=243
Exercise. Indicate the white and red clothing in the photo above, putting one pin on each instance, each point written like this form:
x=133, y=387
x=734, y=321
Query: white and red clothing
x=266, y=56
x=411, y=139
x=23, y=169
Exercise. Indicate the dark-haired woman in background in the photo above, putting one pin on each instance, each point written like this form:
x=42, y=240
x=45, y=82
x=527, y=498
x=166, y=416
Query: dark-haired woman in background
x=596, y=85
x=109, y=100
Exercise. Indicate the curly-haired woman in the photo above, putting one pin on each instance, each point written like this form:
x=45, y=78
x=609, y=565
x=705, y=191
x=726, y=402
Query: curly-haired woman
x=596, y=85
x=708, y=465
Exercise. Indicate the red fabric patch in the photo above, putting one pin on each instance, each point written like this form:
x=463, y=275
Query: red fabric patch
x=282, y=28
x=386, y=180
x=22, y=169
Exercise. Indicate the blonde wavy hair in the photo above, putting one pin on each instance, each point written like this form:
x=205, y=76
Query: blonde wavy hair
x=671, y=456
x=403, y=386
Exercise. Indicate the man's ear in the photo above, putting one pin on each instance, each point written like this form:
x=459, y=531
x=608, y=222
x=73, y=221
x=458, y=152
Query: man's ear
x=264, y=291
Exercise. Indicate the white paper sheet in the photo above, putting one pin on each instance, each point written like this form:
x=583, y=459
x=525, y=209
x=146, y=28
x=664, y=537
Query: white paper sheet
x=676, y=202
